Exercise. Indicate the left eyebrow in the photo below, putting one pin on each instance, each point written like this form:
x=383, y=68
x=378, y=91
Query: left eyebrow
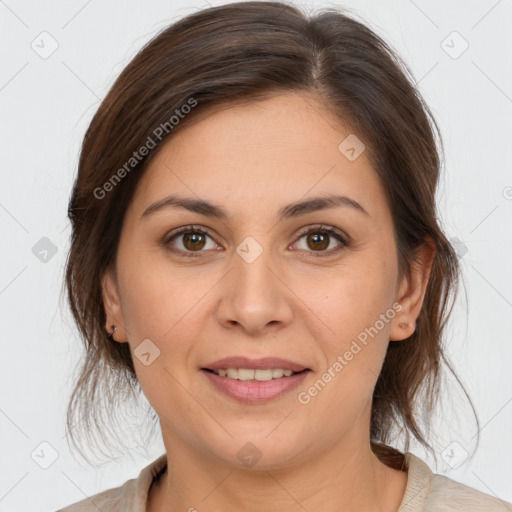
x=292, y=210
x=319, y=203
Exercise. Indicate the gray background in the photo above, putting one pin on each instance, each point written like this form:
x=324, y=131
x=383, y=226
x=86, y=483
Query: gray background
x=46, y=103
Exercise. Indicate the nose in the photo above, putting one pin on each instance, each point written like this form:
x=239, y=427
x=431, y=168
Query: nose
x=254, y=296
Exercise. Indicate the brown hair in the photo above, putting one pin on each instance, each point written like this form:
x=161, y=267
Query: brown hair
x=244, y=52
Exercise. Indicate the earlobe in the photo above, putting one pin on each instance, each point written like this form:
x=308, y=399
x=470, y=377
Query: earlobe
x=412, y=290
x=115, y=330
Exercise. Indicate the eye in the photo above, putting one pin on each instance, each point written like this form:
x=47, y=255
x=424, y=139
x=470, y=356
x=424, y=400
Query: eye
x=191, y=238
x=318, y=238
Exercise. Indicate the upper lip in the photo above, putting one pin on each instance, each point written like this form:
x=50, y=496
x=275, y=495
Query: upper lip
x=263, y=363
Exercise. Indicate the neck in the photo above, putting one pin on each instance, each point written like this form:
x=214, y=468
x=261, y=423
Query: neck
x=339, y=479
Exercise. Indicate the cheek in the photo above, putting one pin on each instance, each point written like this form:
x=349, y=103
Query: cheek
x=357, y=311
x=158, y=298
x=165, y=307
x=354, y=354
x=351, y=300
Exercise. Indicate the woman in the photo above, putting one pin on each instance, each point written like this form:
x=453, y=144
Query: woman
x=255, y=246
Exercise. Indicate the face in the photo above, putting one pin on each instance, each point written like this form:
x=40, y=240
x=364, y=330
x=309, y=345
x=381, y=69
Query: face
x=315, y=286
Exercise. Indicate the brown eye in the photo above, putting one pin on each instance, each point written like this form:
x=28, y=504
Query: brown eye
x=193, y=241
x=189, y=241
x=318, y=239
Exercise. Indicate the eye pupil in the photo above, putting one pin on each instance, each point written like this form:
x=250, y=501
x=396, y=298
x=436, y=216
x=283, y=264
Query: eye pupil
x=319, y=240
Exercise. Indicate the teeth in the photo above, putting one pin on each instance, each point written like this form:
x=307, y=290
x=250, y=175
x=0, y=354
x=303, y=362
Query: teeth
x=245, y=374
x=249, y=374
x=232, y=373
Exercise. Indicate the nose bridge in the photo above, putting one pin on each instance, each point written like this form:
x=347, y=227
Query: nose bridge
x=252, y=274
x=254, y=296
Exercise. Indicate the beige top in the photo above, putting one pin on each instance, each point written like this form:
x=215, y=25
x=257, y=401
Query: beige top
x=425, y=492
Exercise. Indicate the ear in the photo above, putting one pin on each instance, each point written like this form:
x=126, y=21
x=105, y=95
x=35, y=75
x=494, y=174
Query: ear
x=411, y=292
x=112, y=305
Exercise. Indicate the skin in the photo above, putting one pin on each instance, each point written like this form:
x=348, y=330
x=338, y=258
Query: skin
x=253, y=159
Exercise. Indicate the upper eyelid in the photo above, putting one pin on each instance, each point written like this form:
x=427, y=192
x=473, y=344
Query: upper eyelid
x=322, y=227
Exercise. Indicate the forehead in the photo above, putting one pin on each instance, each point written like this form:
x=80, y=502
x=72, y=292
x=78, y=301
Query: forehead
x=276, y=150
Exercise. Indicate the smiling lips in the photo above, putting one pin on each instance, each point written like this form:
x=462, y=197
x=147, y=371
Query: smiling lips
x=255, y=380
x=250, y=374
x=264, y=363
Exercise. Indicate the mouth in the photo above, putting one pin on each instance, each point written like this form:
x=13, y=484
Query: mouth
x=254, y=381
x=252, y=375
x=246, y=364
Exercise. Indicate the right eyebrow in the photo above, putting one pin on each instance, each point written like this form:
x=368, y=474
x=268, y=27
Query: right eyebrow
x=187, y=203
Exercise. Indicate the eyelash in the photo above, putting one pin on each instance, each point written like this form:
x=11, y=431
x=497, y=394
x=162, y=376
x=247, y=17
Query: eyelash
x=321, y=228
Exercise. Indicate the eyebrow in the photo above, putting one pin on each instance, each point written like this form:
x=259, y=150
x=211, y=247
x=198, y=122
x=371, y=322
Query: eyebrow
x=287, y=212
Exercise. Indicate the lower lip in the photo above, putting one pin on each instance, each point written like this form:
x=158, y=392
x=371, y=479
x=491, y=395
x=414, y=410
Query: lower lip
x=255, y=392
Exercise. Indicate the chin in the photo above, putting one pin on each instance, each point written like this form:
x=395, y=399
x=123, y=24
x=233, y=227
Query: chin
x=255, y=451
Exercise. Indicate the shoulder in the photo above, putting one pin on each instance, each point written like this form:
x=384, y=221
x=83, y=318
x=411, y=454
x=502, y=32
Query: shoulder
x=447, y=495
x=106, y=501
x=427, y=491
x=129, y=497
